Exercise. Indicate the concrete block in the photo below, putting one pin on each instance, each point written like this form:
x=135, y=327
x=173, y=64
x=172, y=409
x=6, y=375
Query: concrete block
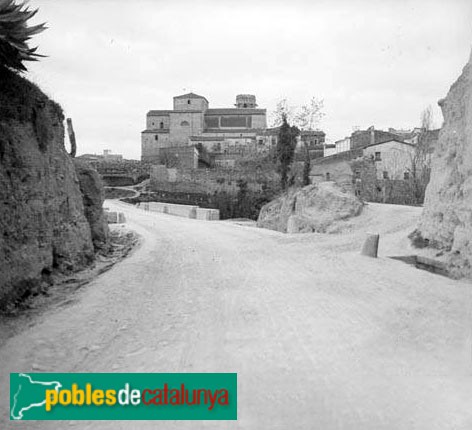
x=208, y=214
x=371, y=246
x=115, y=217
x=112, y=217
x=185, y=211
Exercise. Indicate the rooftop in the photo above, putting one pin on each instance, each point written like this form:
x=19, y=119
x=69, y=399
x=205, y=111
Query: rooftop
x=389, y=140
x=235, y=111
x=156, y=130
x=167, y=112
x=190, y=96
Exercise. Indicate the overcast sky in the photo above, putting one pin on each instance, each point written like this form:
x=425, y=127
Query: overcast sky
x=373, y=62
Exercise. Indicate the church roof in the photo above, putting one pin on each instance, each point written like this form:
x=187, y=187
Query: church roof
x=167, y=112
x=235, y=111
x=190, y=96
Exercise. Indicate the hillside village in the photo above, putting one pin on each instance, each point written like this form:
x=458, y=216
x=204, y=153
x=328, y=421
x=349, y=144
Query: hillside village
x=194, y=150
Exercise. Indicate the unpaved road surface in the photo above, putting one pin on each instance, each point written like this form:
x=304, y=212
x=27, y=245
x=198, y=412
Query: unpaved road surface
x=321, y=337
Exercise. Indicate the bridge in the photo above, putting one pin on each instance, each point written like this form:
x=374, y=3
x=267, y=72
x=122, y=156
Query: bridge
x=120, y=174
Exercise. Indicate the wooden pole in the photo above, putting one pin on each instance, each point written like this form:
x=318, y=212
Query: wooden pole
x=73, y=143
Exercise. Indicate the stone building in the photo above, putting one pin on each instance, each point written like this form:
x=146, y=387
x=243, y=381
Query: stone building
x=359, y=139
x=192, y=123
x=392, y=159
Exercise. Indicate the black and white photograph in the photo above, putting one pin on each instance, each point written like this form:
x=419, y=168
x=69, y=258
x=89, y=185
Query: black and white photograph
x=235, y=214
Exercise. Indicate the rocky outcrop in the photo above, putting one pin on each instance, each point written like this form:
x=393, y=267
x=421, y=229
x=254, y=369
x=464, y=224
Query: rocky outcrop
x=42, y=222
x=446, y=222
x=93, y=195
x=311, y=209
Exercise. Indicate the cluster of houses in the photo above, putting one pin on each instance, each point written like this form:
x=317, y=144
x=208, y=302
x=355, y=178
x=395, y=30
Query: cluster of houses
x=192, y=135
x=391, y=152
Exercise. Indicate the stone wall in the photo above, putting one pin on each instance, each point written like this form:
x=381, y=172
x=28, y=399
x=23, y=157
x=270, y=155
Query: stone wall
x=179, y=134
x=193, y=103
x=151, y=143
x=395, y=158
x=338, y=171
x=446, y=222
x=214, y=180
x=185, y=157
x=160, y=122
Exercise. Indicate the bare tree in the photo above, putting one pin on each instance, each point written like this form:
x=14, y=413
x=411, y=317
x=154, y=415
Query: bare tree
x=421, y=157
x=282, y=109
x=307, y=118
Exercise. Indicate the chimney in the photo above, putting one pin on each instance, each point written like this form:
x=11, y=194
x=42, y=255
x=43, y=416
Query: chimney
x=372, y=135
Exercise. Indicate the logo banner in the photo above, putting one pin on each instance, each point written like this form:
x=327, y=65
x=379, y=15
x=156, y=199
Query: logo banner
x=123, y=396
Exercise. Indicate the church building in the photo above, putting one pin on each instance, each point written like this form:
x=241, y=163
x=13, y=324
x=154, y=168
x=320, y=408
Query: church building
x=192, y=123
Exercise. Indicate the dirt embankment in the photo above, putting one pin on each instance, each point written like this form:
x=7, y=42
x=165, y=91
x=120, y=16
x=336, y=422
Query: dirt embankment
x=446, y=222
x=61, y=289
x=44, y=226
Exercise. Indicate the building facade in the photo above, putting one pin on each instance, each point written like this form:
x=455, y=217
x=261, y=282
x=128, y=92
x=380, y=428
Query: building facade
x=192, y=122
x=392, y=160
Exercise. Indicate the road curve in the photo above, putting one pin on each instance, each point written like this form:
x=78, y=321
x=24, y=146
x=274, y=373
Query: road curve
x=321, y=337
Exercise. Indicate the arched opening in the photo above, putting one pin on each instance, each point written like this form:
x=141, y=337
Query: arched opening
x=184, y=124
x=161, y=125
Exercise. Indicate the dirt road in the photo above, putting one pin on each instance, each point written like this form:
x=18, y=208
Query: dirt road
x=321, y=337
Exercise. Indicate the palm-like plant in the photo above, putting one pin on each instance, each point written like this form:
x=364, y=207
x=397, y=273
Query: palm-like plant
x=15, y=34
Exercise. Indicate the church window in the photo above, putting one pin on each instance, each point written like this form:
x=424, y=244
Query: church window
x=156, y=137
x=188, y=102
x=161, y=125
x=184, y=124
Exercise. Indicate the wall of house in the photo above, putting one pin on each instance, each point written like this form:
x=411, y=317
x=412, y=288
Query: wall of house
x=343, y=145
x=395, y=159
x=179, y=133
x=338, y=171
x=259, y=121
x=190, y=104
x=154, y=122
x=150, y=146
x=329, y=150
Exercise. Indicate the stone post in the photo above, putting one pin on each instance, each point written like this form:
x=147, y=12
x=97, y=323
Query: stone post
x=371, y=246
